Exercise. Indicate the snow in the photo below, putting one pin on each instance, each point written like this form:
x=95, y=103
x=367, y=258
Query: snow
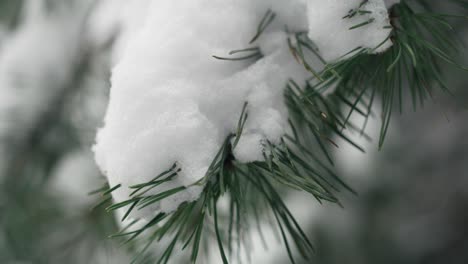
x=331, y=31
x=172, y=102
x=249, y=148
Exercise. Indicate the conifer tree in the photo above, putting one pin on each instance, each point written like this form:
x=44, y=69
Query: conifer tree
x=207, y=114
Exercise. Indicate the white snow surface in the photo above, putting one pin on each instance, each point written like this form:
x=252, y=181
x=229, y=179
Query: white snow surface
x=172, y=102
x=332, y=33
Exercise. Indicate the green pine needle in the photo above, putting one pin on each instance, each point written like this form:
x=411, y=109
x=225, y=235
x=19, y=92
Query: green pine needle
x=249, y=187
x=422, y=40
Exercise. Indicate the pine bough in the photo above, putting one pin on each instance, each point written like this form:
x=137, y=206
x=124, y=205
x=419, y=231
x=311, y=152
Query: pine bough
x=383, y=56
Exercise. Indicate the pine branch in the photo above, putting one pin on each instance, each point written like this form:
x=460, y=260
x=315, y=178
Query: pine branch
x=422, y=41
x=248, y=187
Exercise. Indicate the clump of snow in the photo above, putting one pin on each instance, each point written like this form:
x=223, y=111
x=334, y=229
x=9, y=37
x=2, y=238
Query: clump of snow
x=249, y=148
x=331, y=23
x=172, y=102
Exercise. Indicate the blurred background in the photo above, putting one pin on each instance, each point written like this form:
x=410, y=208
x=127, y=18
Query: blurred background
x=55, y=62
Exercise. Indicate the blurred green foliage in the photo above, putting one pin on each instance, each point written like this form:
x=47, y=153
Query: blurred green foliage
x=10, y=12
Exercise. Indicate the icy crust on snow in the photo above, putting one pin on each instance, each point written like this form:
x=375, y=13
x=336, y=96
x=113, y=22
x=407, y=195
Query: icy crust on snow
x=172, y=102
x=331, y=31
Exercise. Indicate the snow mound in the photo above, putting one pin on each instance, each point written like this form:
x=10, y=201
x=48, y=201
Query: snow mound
x=172, y=102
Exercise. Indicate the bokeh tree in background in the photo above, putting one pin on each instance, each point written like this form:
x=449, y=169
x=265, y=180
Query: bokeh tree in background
x=56, y=58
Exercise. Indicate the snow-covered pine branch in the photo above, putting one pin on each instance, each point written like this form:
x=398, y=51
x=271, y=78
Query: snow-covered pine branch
x=206, y=94
x=171, y=102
